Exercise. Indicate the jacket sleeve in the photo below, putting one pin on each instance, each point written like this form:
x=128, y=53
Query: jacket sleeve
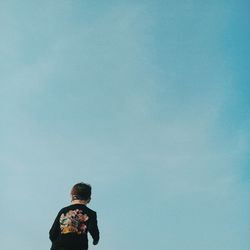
x=93, y=229
x=55, y=229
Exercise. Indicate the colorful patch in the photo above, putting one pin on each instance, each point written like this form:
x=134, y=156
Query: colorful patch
x=74, y=221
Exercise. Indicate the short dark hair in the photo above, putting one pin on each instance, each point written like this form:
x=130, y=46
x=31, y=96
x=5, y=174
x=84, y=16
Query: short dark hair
x=81, y=191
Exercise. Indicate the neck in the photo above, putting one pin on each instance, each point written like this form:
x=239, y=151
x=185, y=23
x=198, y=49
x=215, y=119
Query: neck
x=83, y=202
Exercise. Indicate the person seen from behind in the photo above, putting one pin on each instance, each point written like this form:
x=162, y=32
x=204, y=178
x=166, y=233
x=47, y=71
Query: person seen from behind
x=73, y=223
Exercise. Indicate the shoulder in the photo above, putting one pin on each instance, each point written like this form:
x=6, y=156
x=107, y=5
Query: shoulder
x=65, y=209
x=89, y=210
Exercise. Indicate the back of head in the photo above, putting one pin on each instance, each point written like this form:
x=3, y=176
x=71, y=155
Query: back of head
x=81, y=191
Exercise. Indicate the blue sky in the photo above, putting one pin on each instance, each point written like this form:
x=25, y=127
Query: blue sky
x=148, y=101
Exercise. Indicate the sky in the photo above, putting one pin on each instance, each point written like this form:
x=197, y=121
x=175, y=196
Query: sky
x=148, y=101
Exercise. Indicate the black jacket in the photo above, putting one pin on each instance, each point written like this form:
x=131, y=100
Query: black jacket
x=71, y=227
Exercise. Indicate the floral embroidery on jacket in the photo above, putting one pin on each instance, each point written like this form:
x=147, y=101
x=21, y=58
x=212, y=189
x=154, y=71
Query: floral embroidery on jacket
x=74, y=221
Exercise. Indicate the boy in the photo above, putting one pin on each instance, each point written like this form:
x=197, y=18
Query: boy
x=70, y=228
